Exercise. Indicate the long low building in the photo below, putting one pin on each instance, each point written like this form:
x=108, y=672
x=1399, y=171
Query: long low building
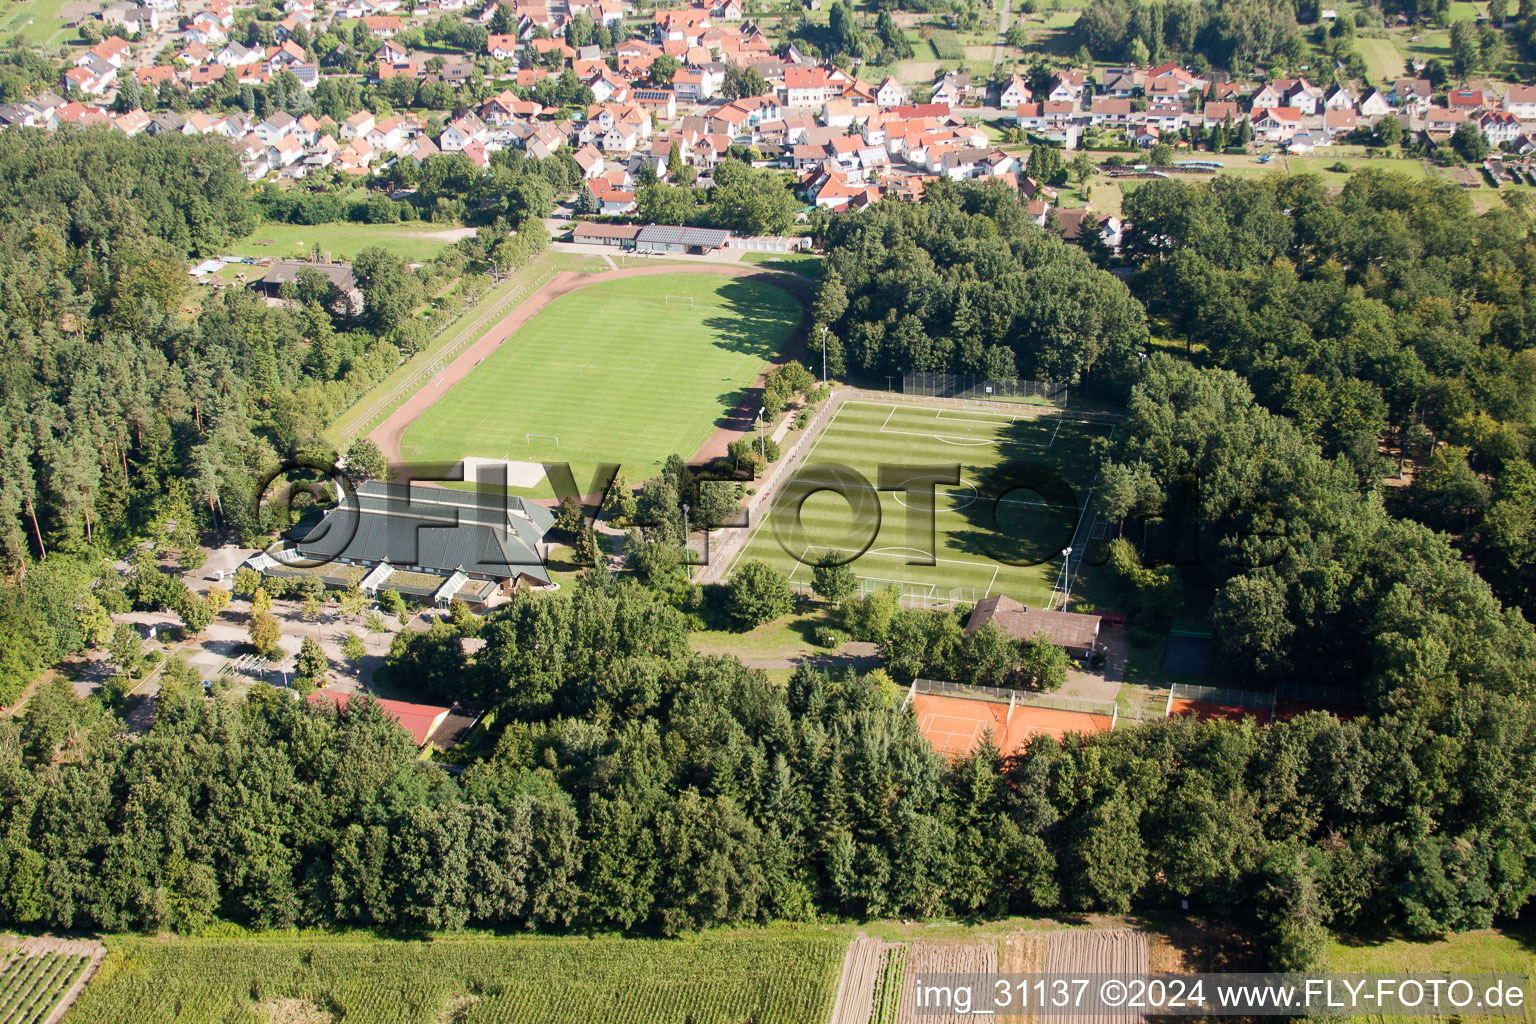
x=427, y=542
x=653, y=237
x=1074, y=631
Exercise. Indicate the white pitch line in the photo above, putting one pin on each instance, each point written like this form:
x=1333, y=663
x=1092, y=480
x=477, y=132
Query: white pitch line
x=991, y=583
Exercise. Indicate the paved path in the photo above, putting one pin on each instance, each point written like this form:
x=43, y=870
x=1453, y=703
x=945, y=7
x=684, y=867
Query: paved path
x=738, y=422
x=1002, y=33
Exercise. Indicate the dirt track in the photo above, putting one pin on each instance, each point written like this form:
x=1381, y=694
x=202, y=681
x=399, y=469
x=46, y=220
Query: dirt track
x=388, y=435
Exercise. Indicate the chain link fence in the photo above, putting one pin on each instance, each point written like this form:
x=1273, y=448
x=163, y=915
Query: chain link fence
x=951, y=385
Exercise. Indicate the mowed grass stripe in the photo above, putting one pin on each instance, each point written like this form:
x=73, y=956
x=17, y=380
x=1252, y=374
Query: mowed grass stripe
x=616, y=373
x=969, y=547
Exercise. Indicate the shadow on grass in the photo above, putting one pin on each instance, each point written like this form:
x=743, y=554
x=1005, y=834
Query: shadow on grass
x=762, y=318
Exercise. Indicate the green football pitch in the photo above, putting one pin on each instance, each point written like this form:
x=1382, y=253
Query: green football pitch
x=1024, y=494
x=625, y=372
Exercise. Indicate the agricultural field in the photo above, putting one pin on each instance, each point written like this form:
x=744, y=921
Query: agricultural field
x=344, y=240
x=947, y=45
x=879, y=978
x=1023, y=496
x=625, y=372
x=37, y=977
x=773, y=976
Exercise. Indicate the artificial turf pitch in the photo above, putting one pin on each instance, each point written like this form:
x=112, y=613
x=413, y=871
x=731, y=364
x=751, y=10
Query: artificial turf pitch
x=620, y=372
x=1024, y=496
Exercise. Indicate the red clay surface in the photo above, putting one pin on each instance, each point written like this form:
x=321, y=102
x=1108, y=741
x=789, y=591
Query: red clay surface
x=956, y=725
x=1207, y=711
x=741, y=420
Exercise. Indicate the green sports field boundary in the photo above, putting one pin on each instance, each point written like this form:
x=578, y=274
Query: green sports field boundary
x=968, y=586
x=469, y=326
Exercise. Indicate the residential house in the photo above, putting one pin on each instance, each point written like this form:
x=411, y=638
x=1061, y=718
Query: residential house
x=1520, y=100
x=1442, y=122
x=1374, y=104
x=1338, y=97
x=1339, y=122
x=151, y=77
x=389, y=134
x=1120, y=85
x=1171, y=72
x=1499, y=126
x=1411, y=93
x=697, y=85
x=617, y=203
x=205, y=74
x=1014, y=92
x=277, y=126
x=1289, y=92
x=1274, y=124
x=805, y=87
x=238, y=55
x=131, y=122
x=461, y=132
x=608, y=87
x=544, y=142
x=81, y=81
x=385, y=26
x=590, y=160
x=113, y=50
x=1218, y=112
x=356, y=126
x=661, y=102
x=951, y=89
x=1110, y=112
x=1468, y=100
x=1066, y=87
x=503, y=47
x=891, y=93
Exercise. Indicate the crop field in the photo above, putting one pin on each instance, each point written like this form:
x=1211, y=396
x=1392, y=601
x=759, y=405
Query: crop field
x=625, y=372
x=1025, y=484
x=778, y=976
x=32, y=983
x=947, y=45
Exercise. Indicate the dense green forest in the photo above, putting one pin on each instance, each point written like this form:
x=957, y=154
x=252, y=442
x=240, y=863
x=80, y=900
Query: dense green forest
x=964, y=283
x=1387, y=311
x=640, y=787
x=123, y=410
x=1223, y=33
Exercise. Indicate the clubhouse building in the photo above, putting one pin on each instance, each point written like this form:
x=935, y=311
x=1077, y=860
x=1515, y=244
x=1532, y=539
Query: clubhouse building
x=428, y=543
x=1075, y=632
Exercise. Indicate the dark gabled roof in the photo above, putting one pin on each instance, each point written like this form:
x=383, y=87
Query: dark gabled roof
x=1065, y=629
x=284, y=271
x=665, y=234
x=434, y=529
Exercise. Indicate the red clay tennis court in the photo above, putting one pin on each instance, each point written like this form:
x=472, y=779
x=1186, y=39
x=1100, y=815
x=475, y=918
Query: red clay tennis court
x=956, y=725
x=1206, y=710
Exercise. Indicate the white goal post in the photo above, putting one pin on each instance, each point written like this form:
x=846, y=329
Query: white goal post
x=679, y=300
x=530, y=438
